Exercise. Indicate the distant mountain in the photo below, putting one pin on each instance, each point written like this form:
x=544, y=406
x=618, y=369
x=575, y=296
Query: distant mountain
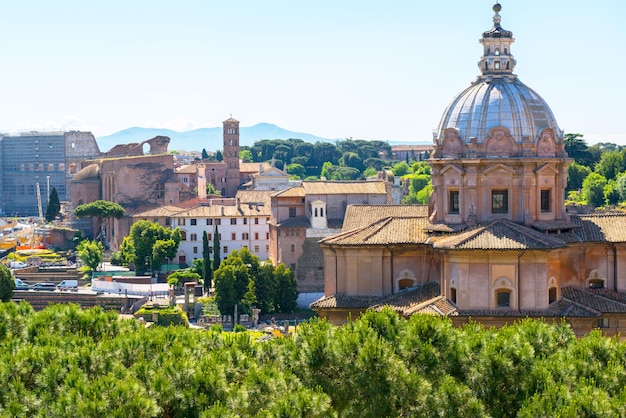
x=209, y=138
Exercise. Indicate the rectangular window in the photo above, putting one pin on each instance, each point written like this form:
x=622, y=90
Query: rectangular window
x=603, y=322
x=293, y=248
x=218, y=222
x=256, y=235
x=332, y=213
x=209, y=221
x=233, y=236
x=156, y=220
x=233, y=221
x=267, y=248
x=267, y=235
x=292, y=212
x=453, y=202
x=219, y=236
x=209, y=237
x=496, y=65
x=503, y=299
x=499, y=201
x=210, y=250
x=194, y=237
x=195, y=250
x=181, y=221
x=256, y=221
x=545, y=200
x=245, y=236
x=245, y=221
x=225, y=249
x=168, y=221
x=194, y=222
x=256, y=248
x=292, y=266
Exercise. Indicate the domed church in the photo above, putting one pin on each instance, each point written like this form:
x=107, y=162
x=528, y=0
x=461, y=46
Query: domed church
x=495, y=243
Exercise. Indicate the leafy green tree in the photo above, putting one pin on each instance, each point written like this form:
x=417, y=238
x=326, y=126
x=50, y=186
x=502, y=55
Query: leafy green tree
x=211, y=190
x=53, y=208
x=151, y=244
x=296, y=170
x=611, y=163
x=401, y=169
x=90, y=253
x=352, y=159
x=265, y=288
x=423, y=196
x=225, y=294
x=207, y=271
x=246, y=155
x=576, y=174
x=184, y=276
x=576, y=148
x=7, y=284
x=611, y=193
x=286, y=294
x=418, y=182
x=219, y=156
x=593, y=189
x=217, y=258
x=205, y=155
x=101, y=209
x=375, y=163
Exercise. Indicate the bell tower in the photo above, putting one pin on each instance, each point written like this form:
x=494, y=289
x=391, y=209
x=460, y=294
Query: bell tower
x=231, y=156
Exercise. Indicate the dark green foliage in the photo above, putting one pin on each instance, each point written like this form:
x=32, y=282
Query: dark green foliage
x=219, y=156
x=65, y=361
x=205, y=155
x=576, y=174
x=149, y=244
x=593, y=189
x=53, y=208
x=7, y=284
x=286, y=293
x=207, y=270
x=217, y=258
x=100, y=208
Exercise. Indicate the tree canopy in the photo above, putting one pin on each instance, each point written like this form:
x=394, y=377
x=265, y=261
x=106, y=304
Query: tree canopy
x=7, y=284
x=100, y=208
x=53, y=208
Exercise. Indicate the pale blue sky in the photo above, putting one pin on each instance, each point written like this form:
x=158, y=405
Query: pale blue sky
x=348, y=68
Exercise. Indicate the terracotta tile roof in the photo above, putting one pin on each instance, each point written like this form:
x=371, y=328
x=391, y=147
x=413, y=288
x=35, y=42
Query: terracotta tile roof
x=397, y=230
x=255, y=196
x=220, y=211
x=344, y=187
x=424, y=299
x=358, y=216
x=253, y=167
x=186, y=169
x=343, y=301
x=554, y=225
x=601, y=227
x=296, y=191
x=298, y=221
x=601, y=300
x=500, y=235
x=163, y=211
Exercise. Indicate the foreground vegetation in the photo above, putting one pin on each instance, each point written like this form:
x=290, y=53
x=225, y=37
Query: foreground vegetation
x=64, y=361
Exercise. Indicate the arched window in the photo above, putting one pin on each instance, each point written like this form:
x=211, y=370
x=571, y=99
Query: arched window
x=596, y=284
x=453, y=295
x=183, y=236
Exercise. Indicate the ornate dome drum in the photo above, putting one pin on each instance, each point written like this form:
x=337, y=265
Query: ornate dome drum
x=498, y=151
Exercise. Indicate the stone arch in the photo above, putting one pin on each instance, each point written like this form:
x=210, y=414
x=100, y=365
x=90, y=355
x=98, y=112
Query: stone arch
x=500, y=143
x=405, y=280
x=546, y=146
x=595, y=280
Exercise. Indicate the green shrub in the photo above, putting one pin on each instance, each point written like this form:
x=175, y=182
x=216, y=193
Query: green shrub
x=167, y=316
x=239, y=328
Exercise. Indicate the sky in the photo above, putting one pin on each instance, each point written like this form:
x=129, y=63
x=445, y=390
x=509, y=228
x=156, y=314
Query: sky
x=336, y=69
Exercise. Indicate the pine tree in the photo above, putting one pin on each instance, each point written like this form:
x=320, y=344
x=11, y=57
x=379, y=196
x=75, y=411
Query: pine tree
x=54, y=205
x=205, y=155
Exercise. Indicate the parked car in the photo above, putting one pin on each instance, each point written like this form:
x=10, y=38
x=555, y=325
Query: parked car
x=68, y=285
x=44, y=286
x=20, y=285
x=17, y=264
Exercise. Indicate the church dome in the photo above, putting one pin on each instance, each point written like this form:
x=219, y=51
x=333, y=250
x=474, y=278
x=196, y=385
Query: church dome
x=498, y=97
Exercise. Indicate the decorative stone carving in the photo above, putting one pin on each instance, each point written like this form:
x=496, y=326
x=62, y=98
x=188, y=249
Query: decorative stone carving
x=545, y=145
x=452, y=145
x=499, y=143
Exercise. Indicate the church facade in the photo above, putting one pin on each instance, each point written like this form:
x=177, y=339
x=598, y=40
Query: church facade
x=495, y=243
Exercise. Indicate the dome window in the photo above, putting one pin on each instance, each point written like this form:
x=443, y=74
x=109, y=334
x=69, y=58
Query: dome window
x=497, y=51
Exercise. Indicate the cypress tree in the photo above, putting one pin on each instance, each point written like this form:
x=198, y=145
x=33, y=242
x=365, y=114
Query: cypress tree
x=216, y=250
x=207, y=270
x=54, y=206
